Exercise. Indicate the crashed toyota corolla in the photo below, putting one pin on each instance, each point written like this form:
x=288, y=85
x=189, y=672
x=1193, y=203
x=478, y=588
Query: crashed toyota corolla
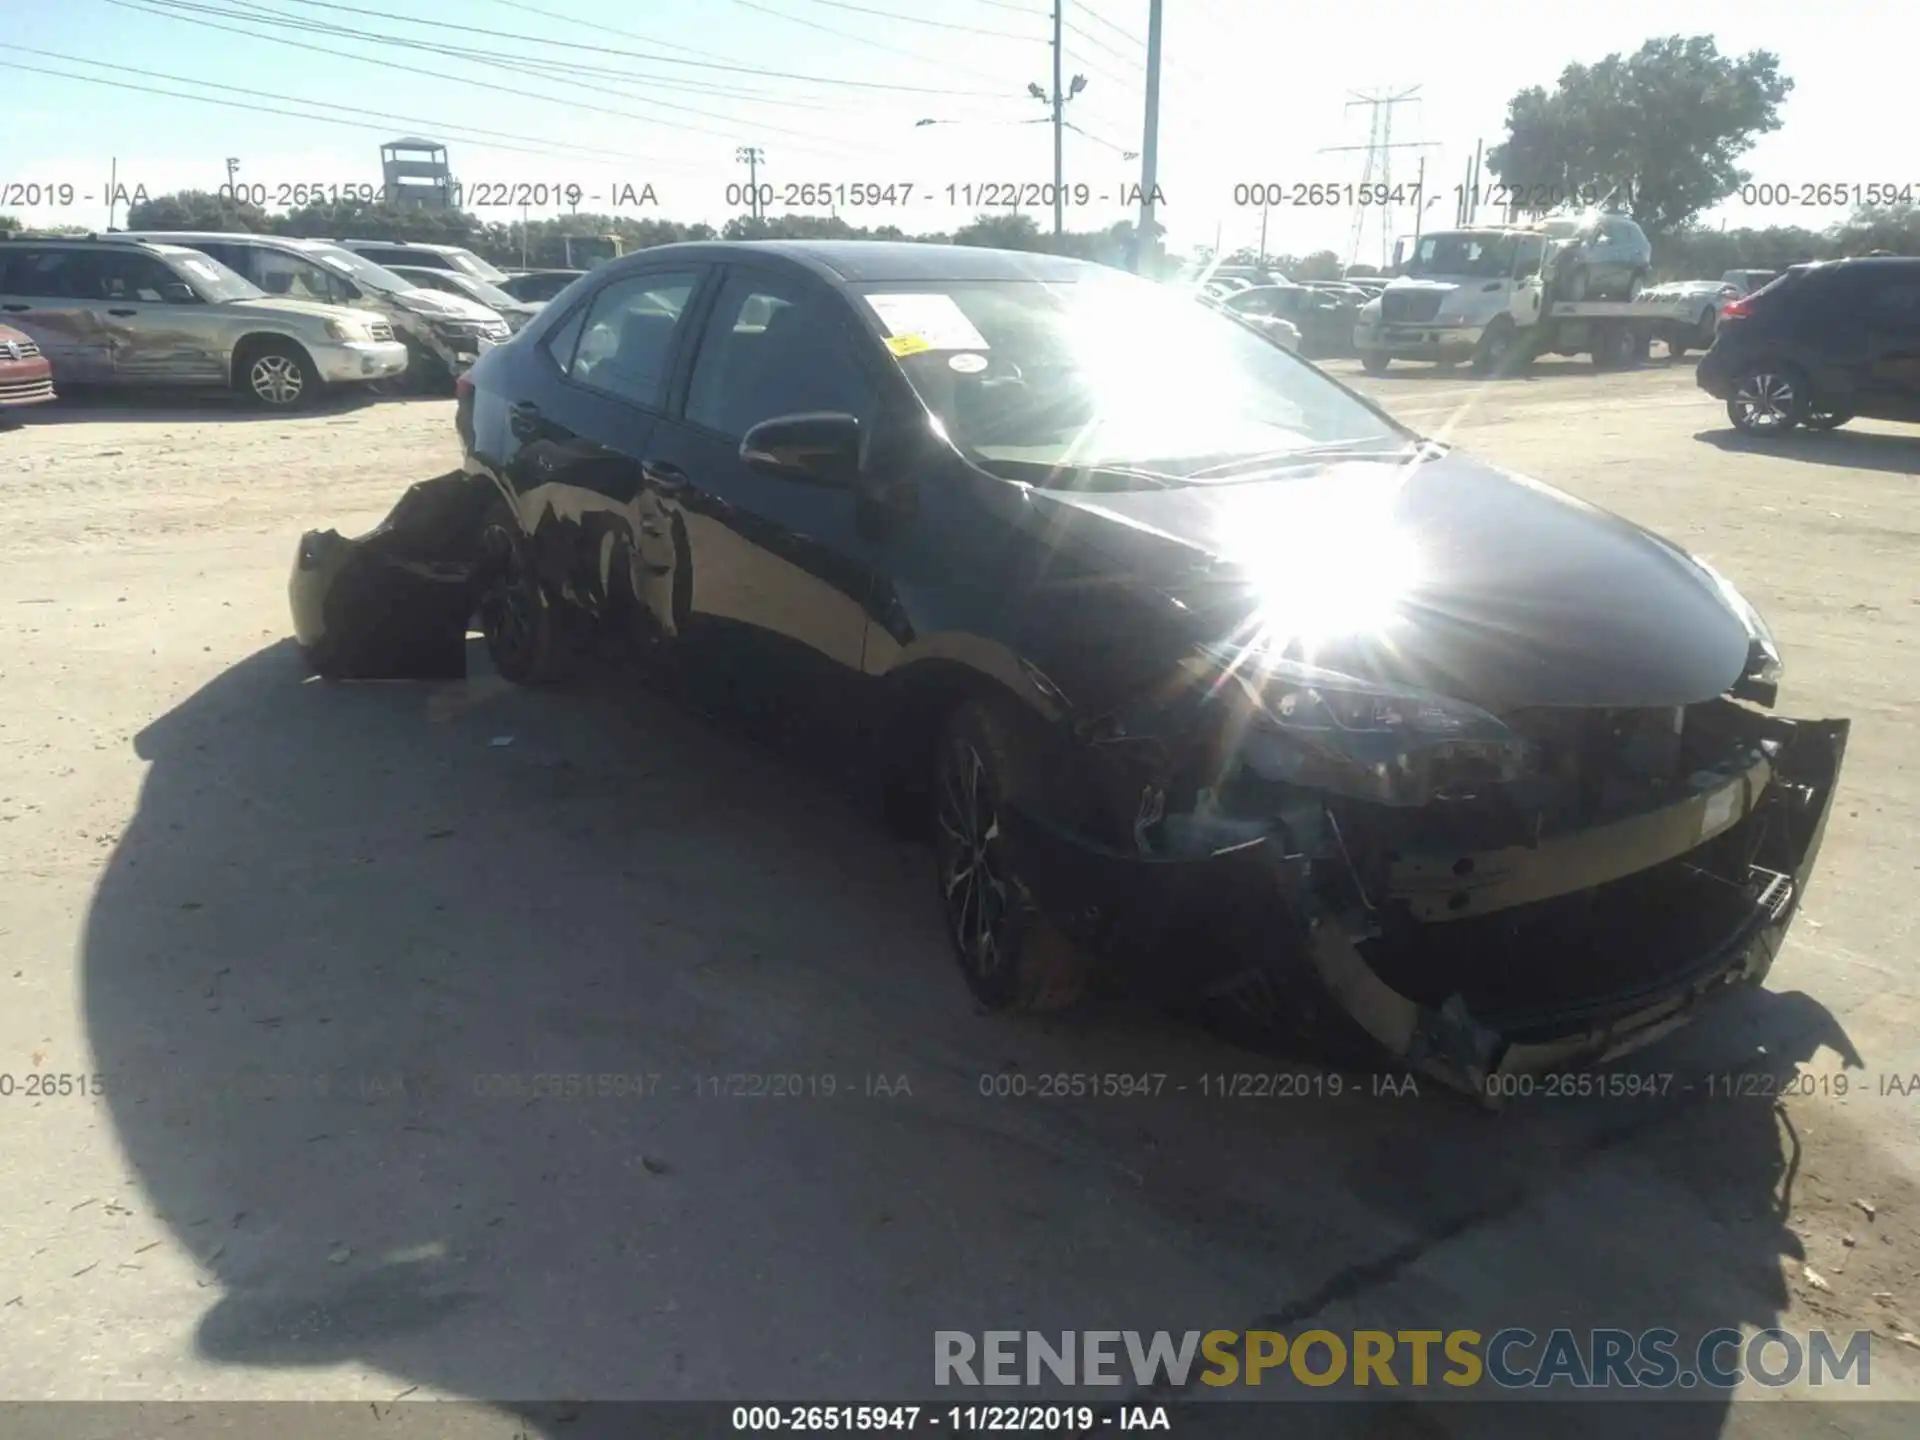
x=1194, y=665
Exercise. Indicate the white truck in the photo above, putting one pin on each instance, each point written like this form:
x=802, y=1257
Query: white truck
x=1485, y=296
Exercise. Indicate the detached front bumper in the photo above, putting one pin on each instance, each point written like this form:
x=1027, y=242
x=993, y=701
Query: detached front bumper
x=357, y=360
x=1525, y=977
x=394, y=603
x=1434, y=340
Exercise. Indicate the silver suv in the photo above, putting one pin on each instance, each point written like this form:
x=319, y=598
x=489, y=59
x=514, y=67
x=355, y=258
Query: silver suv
x=444, y=334
x=112, y=311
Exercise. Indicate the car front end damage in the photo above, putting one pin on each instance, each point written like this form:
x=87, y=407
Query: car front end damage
x=1482, y=896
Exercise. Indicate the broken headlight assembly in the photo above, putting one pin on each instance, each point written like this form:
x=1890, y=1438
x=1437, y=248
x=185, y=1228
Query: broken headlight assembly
x=1386, y=744
x=1760, y=681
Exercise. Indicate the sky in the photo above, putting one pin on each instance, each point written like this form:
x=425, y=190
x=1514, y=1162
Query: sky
x=609, y=97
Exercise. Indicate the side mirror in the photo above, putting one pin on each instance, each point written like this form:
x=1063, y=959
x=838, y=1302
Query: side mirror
x=821, y=448
x=178, y=292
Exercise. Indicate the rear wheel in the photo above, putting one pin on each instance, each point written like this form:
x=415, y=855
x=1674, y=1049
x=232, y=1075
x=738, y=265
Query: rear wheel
x=1768, y=400
x=1011, y=956
x=276, y=375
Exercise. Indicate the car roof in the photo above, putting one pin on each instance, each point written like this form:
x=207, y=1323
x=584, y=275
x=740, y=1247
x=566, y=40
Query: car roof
x=434, y=247
x=234, y=237
x=844, y=262
x=117, y=238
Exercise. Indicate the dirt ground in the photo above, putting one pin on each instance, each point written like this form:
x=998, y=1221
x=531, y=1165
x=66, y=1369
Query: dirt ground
x=283, y=934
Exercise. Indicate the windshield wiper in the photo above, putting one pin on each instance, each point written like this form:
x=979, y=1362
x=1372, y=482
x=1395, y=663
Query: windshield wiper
x=1345, y=448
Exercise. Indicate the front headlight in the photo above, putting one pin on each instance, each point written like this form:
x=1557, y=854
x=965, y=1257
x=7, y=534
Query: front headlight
x=462, y=328
x=1389, y=744
x=343, y=332
x=1760, y=681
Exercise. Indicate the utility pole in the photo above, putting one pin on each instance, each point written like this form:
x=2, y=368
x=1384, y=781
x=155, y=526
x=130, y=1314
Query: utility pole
x=753, y=158
x=1144, y=241
x=1059, y=154
x=1056, y=102
x=233, y=169
x=1263, y=237
x=1377, y=171
x=1419, y=210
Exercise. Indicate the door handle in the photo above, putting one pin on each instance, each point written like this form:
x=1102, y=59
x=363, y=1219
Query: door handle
x=667, y=479
x=123, y=312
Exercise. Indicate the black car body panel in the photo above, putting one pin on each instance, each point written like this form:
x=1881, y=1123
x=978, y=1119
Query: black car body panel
x=1603, y=839
x=1851, y=328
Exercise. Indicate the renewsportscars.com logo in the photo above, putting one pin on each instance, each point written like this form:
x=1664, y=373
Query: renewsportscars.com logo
x=1511, y=1359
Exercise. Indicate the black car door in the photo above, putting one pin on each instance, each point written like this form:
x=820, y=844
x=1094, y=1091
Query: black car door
x=762, y=581
x=1891, y=316
x=581, y=410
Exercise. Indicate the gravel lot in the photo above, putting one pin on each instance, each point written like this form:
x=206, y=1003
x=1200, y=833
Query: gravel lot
x=215, y=872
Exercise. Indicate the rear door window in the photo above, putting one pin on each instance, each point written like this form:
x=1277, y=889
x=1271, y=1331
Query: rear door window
x=627, y=343
x=49, y=274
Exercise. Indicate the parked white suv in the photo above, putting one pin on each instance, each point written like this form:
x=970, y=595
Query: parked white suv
x=107, y=310
x=444, y=334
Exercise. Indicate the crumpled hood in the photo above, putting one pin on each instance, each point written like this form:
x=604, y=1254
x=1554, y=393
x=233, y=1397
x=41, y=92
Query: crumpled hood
x=1447, y=574
x=439, y=303
x=316, y=309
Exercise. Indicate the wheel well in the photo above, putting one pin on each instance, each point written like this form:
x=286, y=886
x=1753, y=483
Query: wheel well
x=913, y=712
x=251, y=345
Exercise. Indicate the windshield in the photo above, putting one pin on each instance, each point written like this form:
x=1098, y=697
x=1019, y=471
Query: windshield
x=357, y=267
x=1481, y=255
x=1112, y=372
x=212, y=280
x=469, y=263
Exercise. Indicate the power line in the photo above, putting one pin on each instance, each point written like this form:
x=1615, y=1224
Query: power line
x=1093, y=14
x=918, y=20
x=595, y=48
x=280, y=109
x=1100, y=44
x=859, y=39
x=147, y=8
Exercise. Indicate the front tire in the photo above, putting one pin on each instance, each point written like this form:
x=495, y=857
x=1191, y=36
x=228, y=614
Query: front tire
x=276, y=375
x=1011, y=956
x=1494, y=354
x=529, y=634
x=1768, y=400
x=1375, y=362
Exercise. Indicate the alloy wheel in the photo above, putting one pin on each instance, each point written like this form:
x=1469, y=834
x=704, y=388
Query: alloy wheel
x=508, y=618
x=974, y=883
x=1765, y=401
x=277, y=379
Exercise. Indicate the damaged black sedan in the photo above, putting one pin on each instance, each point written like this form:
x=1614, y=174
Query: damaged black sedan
x=1194, y=665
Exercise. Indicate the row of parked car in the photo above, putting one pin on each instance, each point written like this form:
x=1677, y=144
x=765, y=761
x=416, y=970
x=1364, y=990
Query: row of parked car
x=1314, y=317
x=276, y=317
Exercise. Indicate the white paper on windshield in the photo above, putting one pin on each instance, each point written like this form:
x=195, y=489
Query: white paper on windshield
x=200, y=268
x=934, y=319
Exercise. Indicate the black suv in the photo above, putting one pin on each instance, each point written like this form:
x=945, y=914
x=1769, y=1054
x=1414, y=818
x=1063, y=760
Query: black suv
x=1820, y=345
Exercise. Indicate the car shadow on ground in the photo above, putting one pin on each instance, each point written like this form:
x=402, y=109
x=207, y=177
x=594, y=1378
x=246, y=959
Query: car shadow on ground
x=139, y=406
x=1849, y=449
x=546, y=1045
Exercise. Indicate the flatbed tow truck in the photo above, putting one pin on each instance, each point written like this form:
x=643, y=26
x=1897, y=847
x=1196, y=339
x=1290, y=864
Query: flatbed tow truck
x=1495, y=313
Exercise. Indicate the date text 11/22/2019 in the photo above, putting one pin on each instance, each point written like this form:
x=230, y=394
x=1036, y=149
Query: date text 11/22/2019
x=967, y=194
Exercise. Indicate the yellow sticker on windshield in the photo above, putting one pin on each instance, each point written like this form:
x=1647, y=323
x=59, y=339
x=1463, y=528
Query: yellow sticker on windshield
x=908, y=344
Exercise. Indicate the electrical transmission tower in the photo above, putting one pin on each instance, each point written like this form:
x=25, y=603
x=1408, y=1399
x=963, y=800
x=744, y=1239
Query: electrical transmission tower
x=1377, y=172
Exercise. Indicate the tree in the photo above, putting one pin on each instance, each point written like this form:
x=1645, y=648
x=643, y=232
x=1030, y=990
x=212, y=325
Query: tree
x=1660, y=129
x=9, y=225
x=197, y=210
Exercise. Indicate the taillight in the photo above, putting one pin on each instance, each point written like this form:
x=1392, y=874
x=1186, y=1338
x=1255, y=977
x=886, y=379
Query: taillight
x=1735, y=310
